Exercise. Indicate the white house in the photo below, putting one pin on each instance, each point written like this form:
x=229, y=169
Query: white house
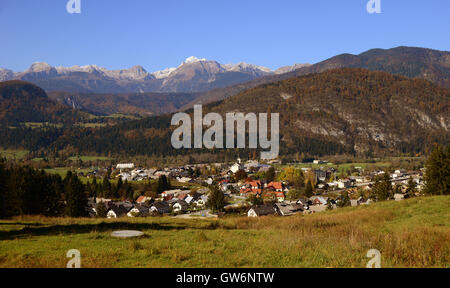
x=125, y=166
x=180, y=206
x=184, y=179
x=343, y=184
x=138, y=210
x=261, y=210
x=236, y=167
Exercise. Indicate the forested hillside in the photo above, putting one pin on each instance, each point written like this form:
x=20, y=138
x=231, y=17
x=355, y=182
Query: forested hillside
x=353, y=111
x=24, y=102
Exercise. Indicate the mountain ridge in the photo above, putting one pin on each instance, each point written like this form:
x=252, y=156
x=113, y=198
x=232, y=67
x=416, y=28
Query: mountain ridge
x=193, y=75
x=412, y=62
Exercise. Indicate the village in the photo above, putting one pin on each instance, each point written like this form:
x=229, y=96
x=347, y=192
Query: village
x=252, y=188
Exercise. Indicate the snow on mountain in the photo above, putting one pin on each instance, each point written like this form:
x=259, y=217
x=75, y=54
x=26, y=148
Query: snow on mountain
x=40, y=67
x=248, y=68
x=193, y=59
x=163, y=73
x=287, y=69
x=6, y=74
x=139, y=73
x=192, y=75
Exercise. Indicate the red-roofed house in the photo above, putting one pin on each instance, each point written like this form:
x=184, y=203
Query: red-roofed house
x=251, y=187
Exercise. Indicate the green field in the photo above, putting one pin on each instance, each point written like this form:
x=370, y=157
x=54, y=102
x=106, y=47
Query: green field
x=90, y=158
x=412, y=233
x=63, y=172
x=13, y=154
x=341, y=167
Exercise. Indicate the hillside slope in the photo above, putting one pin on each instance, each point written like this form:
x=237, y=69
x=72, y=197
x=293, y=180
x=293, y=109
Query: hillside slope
x=363, y=110
x=411, y=233
x=144, y=104
x=412, y=62
x=25, y=102
x=337, y=111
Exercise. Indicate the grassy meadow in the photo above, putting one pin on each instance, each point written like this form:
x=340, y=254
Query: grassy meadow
x=411, y=233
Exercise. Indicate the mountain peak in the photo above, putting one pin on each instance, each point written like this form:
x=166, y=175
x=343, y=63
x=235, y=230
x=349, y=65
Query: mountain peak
x=39, y=67
x=193, y=59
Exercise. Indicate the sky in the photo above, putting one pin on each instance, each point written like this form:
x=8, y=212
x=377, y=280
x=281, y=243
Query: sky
x=118, y=34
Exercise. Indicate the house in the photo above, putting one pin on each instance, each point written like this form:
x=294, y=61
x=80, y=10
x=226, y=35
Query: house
x=355, y=202
x=102, y=200
x=116, y=211
x=251, y=187
x=286, y=209
x=143, y=199
x=170, y=193
x=138, y=210
x=321, y=175
x=236, y=166
x=180, y=206
x=182, y=196
x=304, y=201
x=261, y=210
x=278, y=190
x=160, y=207
x=359, y=201
x=252, y=166
x=184, y=179
x=319, y=200
x=92, y=210
x=344, y=183
x=125, y=166
x=201, y=202
x=125, y=204
x=189, y=199
x=275, y=186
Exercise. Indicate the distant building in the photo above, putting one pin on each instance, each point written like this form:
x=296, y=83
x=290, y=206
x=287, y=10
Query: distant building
x=261, y=210
x=125, y=166
x=343, y=184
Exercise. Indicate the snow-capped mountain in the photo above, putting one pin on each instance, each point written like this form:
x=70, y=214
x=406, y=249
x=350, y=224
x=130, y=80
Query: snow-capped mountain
x=6, y=74
x=192, y=75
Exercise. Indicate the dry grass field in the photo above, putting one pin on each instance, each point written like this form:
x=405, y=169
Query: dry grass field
x=411, y=233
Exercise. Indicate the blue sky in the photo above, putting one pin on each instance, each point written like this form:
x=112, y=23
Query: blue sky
x=159, y=34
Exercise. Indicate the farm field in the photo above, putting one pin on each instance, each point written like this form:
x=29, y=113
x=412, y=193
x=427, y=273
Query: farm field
x=411, y=233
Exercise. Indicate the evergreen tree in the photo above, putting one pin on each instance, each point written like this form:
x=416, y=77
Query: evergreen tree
x=216, y=200
x=76, y=198
x=255, y=200
x=270, y=175
x=437, y=174
x=309, y=189
x=382, y=189
x=163, y=184
x=412, y=188
x=345, y=200
x=106, y=185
